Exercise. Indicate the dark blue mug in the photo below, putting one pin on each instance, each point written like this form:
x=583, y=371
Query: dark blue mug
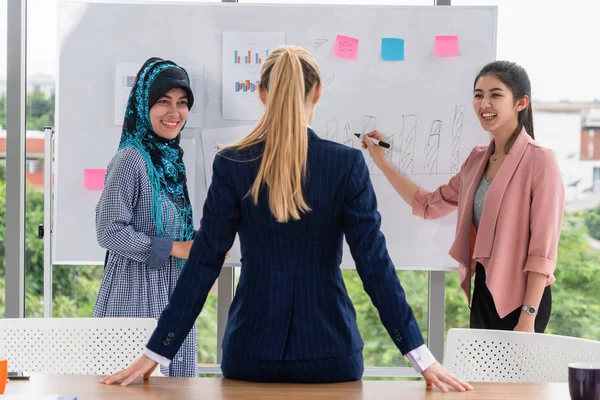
x=584, y=381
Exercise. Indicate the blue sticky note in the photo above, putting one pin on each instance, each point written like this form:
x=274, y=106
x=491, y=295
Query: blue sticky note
x=392, y=49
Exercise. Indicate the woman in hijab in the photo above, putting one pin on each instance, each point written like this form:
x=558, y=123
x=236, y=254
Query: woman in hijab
x=144, y=216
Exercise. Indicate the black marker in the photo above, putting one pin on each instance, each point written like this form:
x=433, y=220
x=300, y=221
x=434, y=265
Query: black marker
x=375, y=141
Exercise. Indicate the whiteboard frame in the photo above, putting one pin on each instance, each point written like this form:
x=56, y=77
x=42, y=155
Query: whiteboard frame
x=450, y=267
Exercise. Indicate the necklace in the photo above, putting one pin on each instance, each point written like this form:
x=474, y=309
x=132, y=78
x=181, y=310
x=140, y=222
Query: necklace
x=497, y=158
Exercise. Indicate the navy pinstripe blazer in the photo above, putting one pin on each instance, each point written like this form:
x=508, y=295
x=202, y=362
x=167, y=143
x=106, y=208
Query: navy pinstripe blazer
x=291, y=302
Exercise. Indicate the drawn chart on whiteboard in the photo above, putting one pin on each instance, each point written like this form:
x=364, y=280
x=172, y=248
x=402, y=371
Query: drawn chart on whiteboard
x=243, y=56
x=416, y=147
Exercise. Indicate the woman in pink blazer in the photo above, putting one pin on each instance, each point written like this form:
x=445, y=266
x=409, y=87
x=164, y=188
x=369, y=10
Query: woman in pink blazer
x=510, y=200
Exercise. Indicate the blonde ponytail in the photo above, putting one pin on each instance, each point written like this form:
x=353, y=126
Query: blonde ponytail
x=288, y=75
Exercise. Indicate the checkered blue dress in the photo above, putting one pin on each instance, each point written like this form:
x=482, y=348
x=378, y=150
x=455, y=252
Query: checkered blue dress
x=139, y=275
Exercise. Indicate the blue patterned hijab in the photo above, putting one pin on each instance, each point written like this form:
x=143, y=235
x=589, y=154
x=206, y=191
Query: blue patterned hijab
x=164, y=157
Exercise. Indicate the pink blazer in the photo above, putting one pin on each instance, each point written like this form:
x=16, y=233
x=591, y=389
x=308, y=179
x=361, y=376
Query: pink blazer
x=520, y=224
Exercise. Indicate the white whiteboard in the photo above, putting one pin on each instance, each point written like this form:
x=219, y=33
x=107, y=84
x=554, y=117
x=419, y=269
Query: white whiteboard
x=423, y=103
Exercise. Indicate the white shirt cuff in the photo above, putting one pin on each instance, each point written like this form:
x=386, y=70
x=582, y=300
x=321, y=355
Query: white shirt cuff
x=157, y=358
x=420, y=358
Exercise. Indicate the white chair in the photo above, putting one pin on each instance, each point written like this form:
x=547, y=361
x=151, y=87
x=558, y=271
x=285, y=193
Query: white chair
x=477, y=355
x=90, y=346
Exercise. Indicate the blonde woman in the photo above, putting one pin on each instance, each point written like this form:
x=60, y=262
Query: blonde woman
x=292, y=197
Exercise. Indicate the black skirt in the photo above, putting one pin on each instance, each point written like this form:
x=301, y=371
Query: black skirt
x=485, y=316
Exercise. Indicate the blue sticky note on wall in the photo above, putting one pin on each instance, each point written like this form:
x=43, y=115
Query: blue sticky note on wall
x=392, y=49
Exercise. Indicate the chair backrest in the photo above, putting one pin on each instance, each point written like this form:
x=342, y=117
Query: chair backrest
x=478, y=355
x=91, y=346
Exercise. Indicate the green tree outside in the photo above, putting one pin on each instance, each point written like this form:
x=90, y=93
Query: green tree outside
x=40, y=110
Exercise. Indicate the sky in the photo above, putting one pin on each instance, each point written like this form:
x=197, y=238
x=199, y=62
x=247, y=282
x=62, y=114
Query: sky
x=554, y=40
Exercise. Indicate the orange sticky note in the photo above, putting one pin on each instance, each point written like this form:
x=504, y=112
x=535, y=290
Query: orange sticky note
x=345, y=47
x=446, y=46
x=93, y=179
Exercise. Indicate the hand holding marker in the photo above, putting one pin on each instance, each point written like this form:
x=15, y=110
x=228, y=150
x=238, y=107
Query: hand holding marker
x=373, y=140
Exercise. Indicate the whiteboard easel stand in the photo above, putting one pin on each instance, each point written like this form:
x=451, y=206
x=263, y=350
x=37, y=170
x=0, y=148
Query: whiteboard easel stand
x=225, y=290
x=46, y=229
x=437, y=293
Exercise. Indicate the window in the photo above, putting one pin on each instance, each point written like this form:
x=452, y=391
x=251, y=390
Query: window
x=33, y=166
x=562, y=69
x=596, y=181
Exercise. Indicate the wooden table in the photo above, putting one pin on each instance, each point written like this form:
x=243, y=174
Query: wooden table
x=86, y=387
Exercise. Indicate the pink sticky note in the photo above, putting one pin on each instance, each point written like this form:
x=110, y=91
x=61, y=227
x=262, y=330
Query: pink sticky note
x=345, y=47
x=446, y=46
x=93, y=179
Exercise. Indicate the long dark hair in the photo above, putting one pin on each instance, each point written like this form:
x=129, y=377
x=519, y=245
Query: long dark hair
x=516, y=79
